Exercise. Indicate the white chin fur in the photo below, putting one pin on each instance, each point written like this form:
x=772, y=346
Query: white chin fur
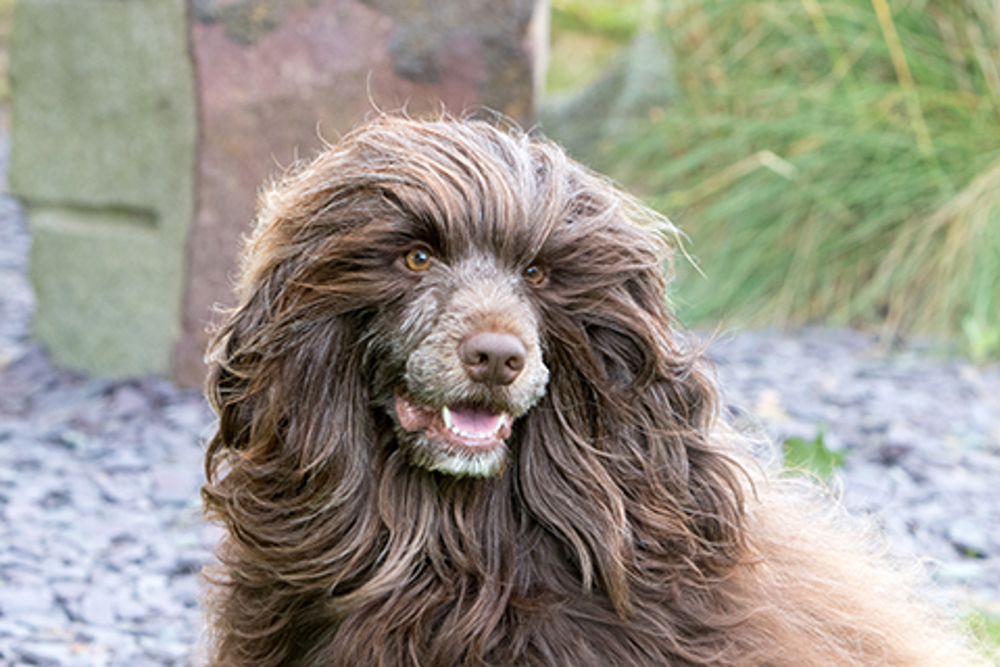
x=487, y=463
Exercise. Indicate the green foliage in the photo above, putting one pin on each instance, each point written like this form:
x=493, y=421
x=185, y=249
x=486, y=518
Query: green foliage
x=6, y=21
x=982, y=341
x=586, y=36
x=6, y=15
x=577, y=59
x=613, y=19
x=834, y=161
x=985, y=626
x=812, y=456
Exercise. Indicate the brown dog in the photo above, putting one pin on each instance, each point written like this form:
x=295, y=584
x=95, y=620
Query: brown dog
x=457, y=427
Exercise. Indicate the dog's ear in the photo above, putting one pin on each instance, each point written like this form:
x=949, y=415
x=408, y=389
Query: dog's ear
x=627, y=428
x=288, y=354
x=285, y=379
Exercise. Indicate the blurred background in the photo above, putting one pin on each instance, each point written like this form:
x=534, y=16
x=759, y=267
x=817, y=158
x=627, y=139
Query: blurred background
x=832, y=162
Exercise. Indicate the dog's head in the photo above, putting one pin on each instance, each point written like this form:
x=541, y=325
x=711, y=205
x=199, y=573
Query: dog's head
x=455, y=276
x=450, y=335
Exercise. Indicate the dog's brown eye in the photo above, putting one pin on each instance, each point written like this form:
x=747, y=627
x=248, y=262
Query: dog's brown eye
x=534, y=275
x=418, y=260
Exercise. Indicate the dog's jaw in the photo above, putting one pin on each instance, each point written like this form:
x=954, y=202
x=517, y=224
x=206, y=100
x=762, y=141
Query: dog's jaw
x=460, y=440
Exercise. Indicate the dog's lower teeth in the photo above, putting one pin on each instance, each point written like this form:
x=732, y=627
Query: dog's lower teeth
x=473, y=436
x=449, y=423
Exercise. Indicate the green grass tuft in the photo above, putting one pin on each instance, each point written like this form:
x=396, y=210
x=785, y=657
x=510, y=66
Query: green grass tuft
x=586, y=36
x=617, y=20
x=6, y=24
x=985, y=627
x=812, y=457
x=833, y=162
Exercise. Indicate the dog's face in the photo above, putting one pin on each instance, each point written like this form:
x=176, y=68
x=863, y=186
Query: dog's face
x=468, y=342
x=451, y=277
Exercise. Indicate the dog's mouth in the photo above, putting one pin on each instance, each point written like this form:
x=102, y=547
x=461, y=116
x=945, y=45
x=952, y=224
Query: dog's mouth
x=471, y=429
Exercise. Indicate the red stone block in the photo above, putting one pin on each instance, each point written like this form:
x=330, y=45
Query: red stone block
x=278, y=78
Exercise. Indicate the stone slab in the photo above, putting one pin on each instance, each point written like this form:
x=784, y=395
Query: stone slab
x=101, y=279
x=104, y=130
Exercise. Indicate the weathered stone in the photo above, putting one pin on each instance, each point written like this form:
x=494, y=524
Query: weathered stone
x=15, y=601
x=103, y=119
x=174, y=484
x=276, y=78
x=96, y=608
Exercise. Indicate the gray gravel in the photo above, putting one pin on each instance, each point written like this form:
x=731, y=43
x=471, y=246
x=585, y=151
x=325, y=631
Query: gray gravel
x=920, y=436
x=101, y=540
x=101, y=537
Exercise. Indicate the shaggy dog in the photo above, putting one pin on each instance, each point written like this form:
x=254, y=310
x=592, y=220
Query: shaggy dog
x=459, y=427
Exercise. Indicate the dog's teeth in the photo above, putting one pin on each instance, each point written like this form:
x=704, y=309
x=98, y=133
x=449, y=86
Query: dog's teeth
x=449, y=423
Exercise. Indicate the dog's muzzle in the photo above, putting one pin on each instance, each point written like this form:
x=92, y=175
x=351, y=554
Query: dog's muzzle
x=489, y=358
x=495, y=377
x=475, y=367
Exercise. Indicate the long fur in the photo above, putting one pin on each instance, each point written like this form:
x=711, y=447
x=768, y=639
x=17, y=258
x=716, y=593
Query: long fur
x=619, y=526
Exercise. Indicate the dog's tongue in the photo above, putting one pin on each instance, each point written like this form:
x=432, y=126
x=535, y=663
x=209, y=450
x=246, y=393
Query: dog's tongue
x=475, y=421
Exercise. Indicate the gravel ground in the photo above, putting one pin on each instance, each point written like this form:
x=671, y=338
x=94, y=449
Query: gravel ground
x=101, y=540
x=920, y=437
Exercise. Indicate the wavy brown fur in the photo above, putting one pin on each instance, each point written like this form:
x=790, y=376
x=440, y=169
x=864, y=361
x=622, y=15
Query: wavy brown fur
x=623, y=531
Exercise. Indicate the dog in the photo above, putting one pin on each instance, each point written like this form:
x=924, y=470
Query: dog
x=458, y=425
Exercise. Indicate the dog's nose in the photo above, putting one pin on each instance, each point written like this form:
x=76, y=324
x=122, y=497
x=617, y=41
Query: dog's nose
x=492, y=358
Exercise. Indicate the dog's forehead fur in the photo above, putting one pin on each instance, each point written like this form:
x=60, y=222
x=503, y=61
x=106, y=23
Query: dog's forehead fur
x=459, y=188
